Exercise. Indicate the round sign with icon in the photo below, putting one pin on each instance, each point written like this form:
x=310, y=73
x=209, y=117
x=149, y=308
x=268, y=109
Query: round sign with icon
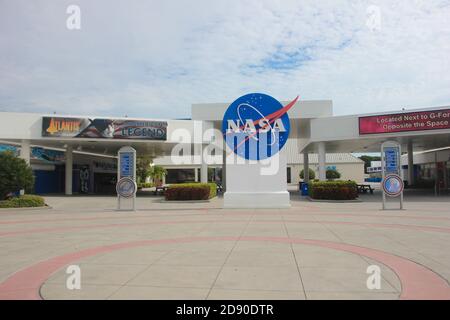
x=126, y=187
x=256, y=126
x=393, y=185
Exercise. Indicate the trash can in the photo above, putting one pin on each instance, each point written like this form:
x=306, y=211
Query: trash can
x=304, y=189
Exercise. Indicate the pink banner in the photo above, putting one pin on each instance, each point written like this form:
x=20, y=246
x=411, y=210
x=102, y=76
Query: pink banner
x=400, y=122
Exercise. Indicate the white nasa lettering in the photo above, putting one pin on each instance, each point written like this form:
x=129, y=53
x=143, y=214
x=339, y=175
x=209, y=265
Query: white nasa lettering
x=264, y=124
x=249, y=126
x=233, y=126
x=279, y=125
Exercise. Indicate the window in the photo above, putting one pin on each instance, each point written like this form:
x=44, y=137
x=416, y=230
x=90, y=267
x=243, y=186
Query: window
x=180, y=175
x=288, y=174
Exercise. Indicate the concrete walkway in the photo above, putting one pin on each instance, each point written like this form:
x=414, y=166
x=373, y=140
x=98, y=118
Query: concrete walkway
x=200, y=251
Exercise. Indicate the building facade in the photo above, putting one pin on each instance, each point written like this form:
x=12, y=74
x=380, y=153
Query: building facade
x=77, y=153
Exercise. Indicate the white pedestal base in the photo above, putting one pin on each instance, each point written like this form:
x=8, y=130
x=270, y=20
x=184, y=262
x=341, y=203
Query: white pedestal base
x=256, y=184
x=256, y=199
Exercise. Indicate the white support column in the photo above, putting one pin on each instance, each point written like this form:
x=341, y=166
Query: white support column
x=436, y=175
x=196, y=174
x=305, y=167
x=224, y=166
x=204, y=166
x=25, y=151
x=322, y=159
x=410, y=163
x=69, y=167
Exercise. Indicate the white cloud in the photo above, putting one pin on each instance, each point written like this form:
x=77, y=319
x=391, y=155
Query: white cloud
x=155, y=58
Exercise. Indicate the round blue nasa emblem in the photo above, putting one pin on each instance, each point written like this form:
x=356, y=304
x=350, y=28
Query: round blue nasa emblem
x=256, y=126
x=393, y=185
x=126, y=187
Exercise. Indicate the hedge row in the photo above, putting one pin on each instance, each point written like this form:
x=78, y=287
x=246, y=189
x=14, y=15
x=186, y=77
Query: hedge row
x=26, y=200
x=191, y=191
x=145, y=185
x=333, y=190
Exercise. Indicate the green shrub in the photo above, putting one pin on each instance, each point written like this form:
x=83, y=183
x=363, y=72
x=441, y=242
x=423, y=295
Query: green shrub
x=191, y=191
x=333, y=190
x=145, y=185
x=312, y=174
x=332, y=174
x=27, y=200
x=15, y=174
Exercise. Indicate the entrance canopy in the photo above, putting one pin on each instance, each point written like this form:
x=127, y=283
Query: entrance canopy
x=424, y=129
x=94, y=134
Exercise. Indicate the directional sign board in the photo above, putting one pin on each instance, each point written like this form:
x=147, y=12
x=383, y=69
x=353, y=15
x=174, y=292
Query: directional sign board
x=392, y=175
x=391, y=157
x=126, y=159
x=126, y=183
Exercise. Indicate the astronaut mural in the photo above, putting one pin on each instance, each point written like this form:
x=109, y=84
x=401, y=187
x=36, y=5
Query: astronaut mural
x=103, y=128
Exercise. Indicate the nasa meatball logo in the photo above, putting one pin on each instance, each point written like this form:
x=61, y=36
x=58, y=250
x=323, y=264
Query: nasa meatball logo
x=256, y=126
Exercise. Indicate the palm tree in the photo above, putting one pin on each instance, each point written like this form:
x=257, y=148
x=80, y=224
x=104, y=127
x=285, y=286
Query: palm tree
x=157, y=173
x=143, y=167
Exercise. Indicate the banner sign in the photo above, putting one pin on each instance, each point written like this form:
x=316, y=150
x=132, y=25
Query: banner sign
x=62, y=127
x=105, y=166
x=401, y=122
x=37, y=153
x=51, y=156
x=7, y=147
x=103, y=128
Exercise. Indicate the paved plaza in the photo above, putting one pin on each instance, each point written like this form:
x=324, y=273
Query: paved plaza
x=313, y=250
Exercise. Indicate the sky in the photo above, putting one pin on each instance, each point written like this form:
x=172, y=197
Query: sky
x=153, y=59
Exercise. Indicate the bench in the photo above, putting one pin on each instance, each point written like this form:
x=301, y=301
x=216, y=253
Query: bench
x=160, y=190
x=363, y=188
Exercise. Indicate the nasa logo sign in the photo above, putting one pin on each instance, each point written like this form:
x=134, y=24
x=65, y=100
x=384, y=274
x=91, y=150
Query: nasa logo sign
x=126, y=187
x=393, y=185
x=256, y=126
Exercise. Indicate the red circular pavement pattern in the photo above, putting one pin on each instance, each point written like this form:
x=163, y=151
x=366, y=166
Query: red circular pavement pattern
x=418, y=282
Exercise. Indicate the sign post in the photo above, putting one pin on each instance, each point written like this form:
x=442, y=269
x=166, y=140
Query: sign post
x=392, y=175
x=126, y=179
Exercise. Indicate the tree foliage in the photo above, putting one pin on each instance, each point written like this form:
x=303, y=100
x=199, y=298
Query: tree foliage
x=15, y=174
x=312, y=174
x=143, y=168
x=157, y=173
x=367, y=159
x=332, y=174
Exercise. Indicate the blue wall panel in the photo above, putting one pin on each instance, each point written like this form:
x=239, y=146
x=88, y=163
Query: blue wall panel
x=48, y=181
